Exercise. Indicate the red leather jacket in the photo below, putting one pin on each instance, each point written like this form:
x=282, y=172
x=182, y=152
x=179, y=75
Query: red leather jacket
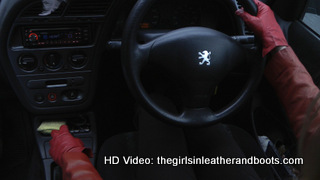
x=289, y=78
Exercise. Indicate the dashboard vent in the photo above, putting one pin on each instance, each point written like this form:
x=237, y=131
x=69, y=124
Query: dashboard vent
x=34, y=9
x=88, y=7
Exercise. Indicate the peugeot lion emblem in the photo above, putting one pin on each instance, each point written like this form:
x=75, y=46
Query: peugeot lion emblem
x=205, y=56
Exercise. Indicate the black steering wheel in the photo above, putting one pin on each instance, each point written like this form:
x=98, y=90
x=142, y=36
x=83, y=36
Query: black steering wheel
x=198, y=57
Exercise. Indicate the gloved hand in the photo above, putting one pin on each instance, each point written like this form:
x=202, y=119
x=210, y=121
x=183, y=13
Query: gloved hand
x=62, y=141
x=265, y=26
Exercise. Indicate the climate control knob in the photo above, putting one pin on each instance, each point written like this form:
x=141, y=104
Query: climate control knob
x=52, y=61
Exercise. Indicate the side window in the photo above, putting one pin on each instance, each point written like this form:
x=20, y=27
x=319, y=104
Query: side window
x=312, y=15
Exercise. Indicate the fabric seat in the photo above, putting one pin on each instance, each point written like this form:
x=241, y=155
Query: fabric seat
x=131, y=144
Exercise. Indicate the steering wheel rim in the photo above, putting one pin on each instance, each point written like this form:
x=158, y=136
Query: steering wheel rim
x=135, y=56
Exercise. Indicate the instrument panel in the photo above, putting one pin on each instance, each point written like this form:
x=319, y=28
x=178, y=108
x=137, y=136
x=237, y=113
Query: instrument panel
x=172, y=15
x=178, y=14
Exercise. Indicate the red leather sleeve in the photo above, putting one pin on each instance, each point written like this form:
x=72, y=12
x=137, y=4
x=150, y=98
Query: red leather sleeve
x=294, y=87
x=77, y=166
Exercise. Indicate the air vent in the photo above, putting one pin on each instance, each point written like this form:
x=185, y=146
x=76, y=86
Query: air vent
x=88, y=7
x=36, y=8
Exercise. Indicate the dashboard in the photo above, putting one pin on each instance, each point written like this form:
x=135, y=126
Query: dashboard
x=178, y=14
x=52, y=62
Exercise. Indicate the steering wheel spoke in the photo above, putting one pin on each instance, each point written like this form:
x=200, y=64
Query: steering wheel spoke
x=197, y=116
x=142, y=53
x=244, y=39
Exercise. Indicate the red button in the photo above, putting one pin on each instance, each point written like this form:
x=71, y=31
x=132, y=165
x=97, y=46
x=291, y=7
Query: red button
x=52, y=97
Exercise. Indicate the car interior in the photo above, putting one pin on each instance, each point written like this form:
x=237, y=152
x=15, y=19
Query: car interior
x=117, y=70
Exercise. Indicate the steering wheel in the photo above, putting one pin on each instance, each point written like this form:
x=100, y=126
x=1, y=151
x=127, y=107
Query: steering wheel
x=198, y=57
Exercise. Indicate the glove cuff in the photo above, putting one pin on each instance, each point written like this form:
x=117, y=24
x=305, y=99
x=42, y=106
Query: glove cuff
x=267, y=48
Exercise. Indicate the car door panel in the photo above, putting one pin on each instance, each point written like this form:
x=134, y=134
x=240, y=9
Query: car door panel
x=306, y=45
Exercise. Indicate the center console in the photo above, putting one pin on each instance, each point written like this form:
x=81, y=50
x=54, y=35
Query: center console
x=53, y=60
x=54, y=66
x=81, y=126
x=52, y=63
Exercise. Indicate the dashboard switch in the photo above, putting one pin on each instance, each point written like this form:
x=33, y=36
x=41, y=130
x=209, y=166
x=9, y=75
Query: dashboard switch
x=72, y=94
x=52, y=97
x=39, y=98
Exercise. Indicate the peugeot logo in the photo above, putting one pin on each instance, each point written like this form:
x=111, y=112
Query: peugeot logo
x=205, y=56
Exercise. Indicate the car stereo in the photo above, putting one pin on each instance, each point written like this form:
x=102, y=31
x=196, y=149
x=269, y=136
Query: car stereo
x=46, y=37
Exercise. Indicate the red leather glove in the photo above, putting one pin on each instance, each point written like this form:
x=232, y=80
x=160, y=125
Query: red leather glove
x=62, y=141
x=265, y=26
x=77, y=166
